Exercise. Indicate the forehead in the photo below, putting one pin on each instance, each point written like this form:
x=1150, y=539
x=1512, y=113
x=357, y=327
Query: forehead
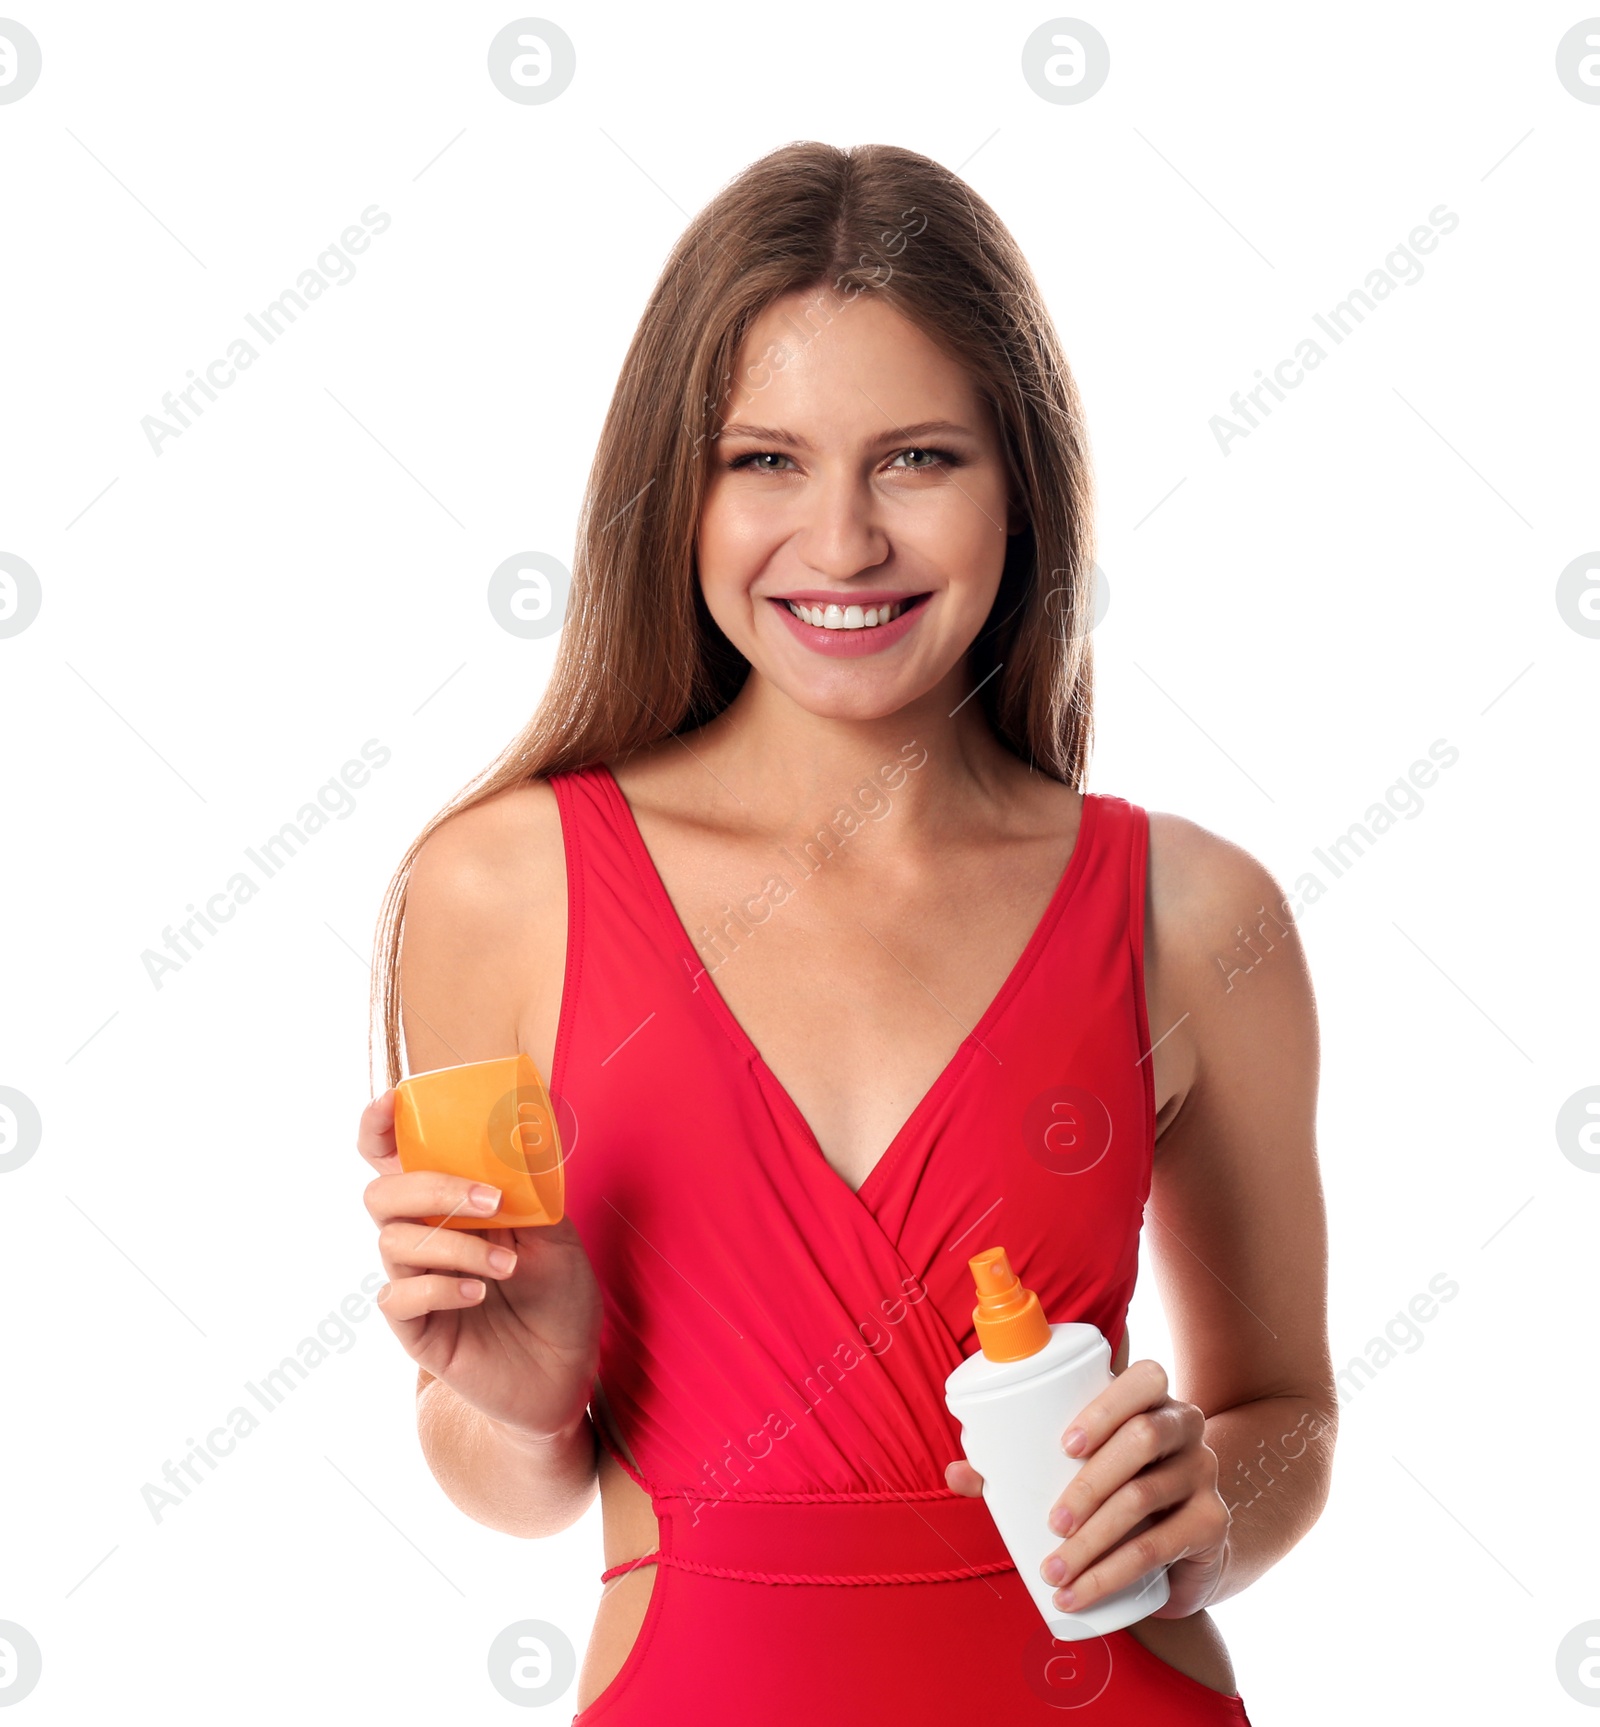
x=835, y=359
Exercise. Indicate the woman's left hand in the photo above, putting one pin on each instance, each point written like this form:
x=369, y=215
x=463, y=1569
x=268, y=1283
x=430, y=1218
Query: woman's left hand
x=1146, y=1496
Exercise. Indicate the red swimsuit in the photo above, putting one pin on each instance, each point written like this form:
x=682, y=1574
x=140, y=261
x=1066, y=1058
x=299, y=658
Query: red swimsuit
x=775, y=1346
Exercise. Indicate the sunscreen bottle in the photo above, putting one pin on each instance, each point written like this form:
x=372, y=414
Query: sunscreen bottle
x=1015, y=1399
x=491, y=1121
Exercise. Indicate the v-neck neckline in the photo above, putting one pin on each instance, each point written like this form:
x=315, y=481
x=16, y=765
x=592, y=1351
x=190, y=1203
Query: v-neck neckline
x=742, y=1041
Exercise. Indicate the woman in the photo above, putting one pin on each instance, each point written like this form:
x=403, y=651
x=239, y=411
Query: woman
x=839, y=976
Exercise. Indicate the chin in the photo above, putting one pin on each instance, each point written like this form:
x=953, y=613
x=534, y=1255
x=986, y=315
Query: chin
x=864, y=703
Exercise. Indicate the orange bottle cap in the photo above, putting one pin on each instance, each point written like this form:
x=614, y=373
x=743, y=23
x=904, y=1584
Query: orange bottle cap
x=1010, y=1322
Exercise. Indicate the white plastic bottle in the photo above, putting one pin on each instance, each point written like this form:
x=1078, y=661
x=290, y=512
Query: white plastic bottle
x=1015, y=1400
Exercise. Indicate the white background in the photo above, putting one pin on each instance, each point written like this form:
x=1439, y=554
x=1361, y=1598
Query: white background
x=1291, y=625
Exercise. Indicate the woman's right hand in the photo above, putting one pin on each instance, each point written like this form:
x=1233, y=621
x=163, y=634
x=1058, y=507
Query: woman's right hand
x=509, y=1319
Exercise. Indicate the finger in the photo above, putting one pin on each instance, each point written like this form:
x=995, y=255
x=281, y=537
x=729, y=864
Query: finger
x=407, y=1247
x=1128, y=1512
x=428, y=1193
x=1184, y=1531
x=1135, y=1388
x=1141, y=1440
x=961, y=1477
x=408, y=1298
x=375, y=1133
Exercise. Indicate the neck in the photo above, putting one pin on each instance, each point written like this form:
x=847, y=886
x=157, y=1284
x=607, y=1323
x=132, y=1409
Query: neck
x=936, y=760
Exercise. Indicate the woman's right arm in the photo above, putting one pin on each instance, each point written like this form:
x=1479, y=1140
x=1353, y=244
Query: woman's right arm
x=504, y=1324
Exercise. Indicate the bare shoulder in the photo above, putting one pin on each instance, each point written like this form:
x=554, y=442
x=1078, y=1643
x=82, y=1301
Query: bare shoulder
x=1226, y=978
x=1213, y=905
x=1191, y=866
x=484, y=924
x=492, y=851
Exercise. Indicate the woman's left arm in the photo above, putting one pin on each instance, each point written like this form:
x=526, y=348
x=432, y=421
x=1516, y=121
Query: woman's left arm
x=1220, y=1483
x=1224, y=1480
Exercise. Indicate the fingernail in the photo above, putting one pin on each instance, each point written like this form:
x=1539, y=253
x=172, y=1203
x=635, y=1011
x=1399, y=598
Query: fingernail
x=1063, y=1598
x=501, y=1259
x=1054, y=1568
x=484, y=1197
x=471, y=1288
x=1075, y=1442
x=1061, y=1520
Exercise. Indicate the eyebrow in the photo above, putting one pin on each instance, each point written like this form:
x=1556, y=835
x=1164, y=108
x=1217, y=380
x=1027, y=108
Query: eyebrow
x=900, y=434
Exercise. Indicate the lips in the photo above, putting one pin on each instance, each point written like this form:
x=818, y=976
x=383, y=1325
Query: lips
x=847, y=642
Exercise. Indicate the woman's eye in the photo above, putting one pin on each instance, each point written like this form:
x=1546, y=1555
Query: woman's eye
x=764, y=461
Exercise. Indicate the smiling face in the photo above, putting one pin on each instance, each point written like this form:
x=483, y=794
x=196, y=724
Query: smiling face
x=859, y=479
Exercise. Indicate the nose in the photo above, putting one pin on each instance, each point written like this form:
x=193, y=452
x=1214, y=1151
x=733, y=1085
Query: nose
x=841, y=531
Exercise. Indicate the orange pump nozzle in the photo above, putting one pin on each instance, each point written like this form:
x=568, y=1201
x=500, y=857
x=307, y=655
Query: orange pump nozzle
x=1011, y=1323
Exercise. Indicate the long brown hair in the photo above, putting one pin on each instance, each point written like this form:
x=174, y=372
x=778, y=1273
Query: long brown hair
x=640, y=658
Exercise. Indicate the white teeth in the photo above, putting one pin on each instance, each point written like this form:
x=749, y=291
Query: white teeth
x=845, y=617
